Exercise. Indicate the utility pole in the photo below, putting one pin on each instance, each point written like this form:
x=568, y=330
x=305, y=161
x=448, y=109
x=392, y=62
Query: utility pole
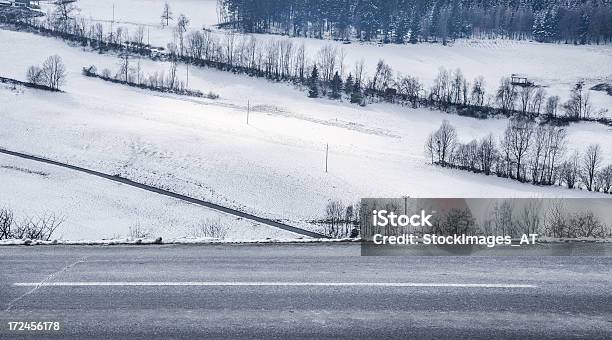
x=248, y=110
x=112, y=22
x=326, y=156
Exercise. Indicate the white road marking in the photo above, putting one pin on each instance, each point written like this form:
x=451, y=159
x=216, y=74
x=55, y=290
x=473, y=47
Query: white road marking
x=275, y=284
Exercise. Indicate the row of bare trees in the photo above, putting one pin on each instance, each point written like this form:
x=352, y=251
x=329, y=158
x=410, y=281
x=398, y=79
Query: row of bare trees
x=34, y=228
x=326, y=73
x=341, y=221
x=526, y=152
x=557, y=218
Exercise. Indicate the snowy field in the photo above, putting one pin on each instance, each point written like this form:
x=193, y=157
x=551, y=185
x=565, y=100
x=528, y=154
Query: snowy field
x=273, y=167
x=95, y=209
x=556, y=67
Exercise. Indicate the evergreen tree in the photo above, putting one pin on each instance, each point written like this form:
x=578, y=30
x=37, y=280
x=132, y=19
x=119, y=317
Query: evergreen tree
x=415, y=31
x=357, y=96
x=571, y=21
x=313, y=83
x=336, y=86
x=349, y=85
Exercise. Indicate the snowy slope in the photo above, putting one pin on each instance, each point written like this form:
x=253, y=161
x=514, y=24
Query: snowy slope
x=557, y=67
x=95, y=208
x=273, y=167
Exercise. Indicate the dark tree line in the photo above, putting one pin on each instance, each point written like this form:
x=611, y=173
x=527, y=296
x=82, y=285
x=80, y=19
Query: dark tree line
x=526, y=152
x=401, y=21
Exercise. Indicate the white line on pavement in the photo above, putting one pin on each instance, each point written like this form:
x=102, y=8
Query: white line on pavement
x=275, y=284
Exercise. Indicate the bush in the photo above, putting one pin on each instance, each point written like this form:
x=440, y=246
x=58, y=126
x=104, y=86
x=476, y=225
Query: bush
x=35, y=75
x=138, y=231
x=210, y=228
x=212, y=95
x=7, y=223
x=35, y=228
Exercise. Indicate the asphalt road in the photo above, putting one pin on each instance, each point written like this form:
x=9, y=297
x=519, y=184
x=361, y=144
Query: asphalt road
x=293, y=291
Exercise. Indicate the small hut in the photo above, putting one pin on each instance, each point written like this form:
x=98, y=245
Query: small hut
x=520, y=80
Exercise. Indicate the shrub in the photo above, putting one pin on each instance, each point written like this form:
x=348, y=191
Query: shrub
x=138, y=231
x=7, y=223
x=36, y=228
x=210, y=228
x=35, y=75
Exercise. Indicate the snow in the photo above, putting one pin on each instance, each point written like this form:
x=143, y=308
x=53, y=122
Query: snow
x=556, y=67
x=273, y=167
x=161, y=241
x=95, y=208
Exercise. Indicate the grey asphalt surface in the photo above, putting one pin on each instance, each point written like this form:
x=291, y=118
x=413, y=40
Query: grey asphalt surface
x=572, y=297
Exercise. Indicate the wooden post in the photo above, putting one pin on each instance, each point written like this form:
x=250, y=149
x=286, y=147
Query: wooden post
x=187, y=76
x=326, y=156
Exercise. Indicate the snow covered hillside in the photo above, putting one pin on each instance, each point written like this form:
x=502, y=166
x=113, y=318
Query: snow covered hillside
x=273, y=167
x=94, y=208
x=556, y=67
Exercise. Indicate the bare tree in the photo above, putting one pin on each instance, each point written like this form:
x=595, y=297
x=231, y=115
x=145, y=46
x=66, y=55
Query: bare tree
x=124, y=66
x=35, y=75
x=555, y=148
x=411, y=88
x=99, y=34
x=517, y=137
x=551, y=106
x=166, y=15
x=487, y=153
x=478, y=91
x=334, y=213
x=456, y=86
x=579, y=105
x=556, y=220
x=171, y=81
x=182, y=24
x=63, y=14
x=440, y=91
x=525, y=95
x=604, y=179
x=441, y=144
x=7, y=222
x=591, y=162
x=139, y=37
x=538, y=153
x=382, y=76
x=506, y=95
x=54, y=72
x=585, y=224
x=359, y=71
x=529, y=221
x=327, y=59
x=570, y=170
x=538, y=101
